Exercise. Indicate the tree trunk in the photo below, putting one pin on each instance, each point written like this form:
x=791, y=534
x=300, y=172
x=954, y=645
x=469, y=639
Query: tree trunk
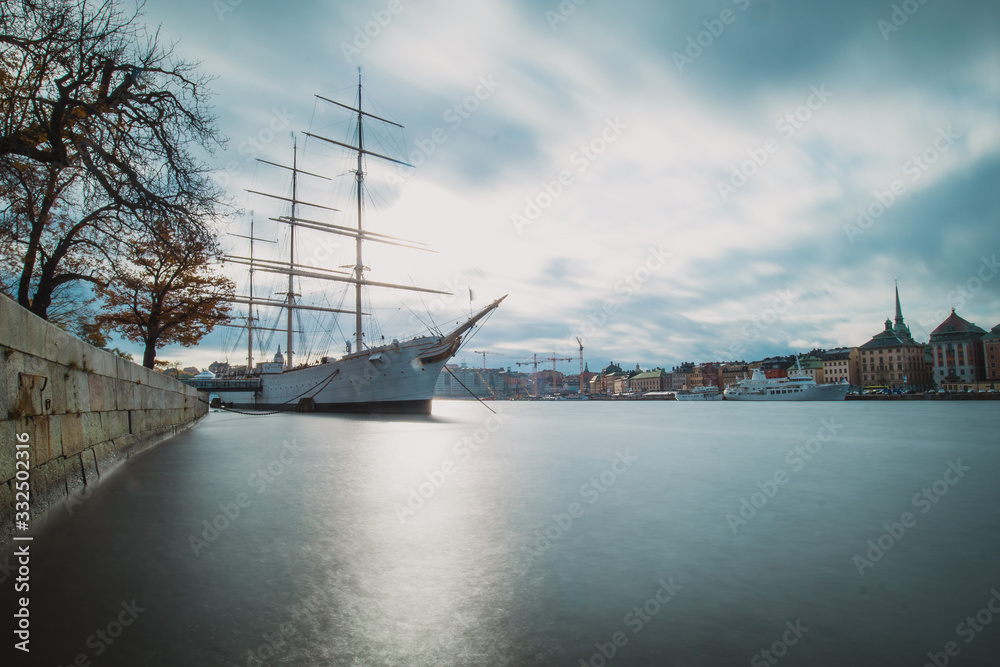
x=43, y=298
x=149, y=355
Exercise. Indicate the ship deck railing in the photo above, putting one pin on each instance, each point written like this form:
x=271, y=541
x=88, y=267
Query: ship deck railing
x=224, y=384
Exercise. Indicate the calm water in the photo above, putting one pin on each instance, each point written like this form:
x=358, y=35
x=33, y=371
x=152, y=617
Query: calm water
x=565, y=533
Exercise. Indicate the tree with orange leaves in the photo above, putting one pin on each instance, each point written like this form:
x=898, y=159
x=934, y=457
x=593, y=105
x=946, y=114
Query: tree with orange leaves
x=167, y=291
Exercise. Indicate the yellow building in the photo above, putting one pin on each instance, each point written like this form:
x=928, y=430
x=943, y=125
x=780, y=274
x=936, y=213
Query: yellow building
x=841, y=365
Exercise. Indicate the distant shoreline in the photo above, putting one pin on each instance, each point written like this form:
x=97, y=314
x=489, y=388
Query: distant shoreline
x=963, y=396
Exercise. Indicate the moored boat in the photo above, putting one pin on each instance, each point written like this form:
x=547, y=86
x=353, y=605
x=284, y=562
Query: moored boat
x=758, y=387
x=394, y=377
x=710, y=393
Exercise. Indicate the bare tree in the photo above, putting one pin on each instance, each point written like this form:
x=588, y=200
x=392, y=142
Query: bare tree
x=97, y=128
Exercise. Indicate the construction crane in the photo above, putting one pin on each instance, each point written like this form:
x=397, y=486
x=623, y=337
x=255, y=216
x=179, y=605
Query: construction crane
x=534, y=363
x=483, y=380
x=484, y=353
x=534, y=377
x=580, y=343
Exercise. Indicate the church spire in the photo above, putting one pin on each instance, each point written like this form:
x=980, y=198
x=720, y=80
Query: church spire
x=899, y=327
x=899, y=309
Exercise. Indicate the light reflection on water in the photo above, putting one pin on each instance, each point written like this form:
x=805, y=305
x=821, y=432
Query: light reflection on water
x=420, y=541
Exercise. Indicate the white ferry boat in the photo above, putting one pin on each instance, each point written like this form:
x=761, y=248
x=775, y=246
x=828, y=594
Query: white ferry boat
x=792, y=388
x=710, y=393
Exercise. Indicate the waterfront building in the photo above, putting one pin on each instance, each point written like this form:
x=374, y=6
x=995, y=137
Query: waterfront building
x=550, y=382
x=732, y=372
x=842, y=365
x=623, y=382
x=680, y=376
x=482, y=382
x=893, y=359
x=808, y=366
x=604, y=383
x=957, y=346
x=516, y=384
x=773, y=367
x=709, y=375
x=654, y=380
x=991, y=355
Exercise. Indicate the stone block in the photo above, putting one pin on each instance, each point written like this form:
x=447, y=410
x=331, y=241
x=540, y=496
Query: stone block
x=108, y=457
x=127, y=395
x=115, y=424
x=121, y=393
x=43, y=447
x=37, y=431
x=75, y=481
x=153, y=379
x=93, y=431
x=22, y=330
x=6, y=513
x=8, y=445
x=32, y=389
x=57, y=389
x=111, y=394
x=100, y=362
x=55, y=434
x=123, y=370
x=130, y=445
x=48, y=487
x=134, y=372
x=138, y=420
x=89, y=462
x=11, y=366
x=6, y=498
x=78, y=391
x=71, y=431
x=96, y=388
x=63, y=348
x=11, y=322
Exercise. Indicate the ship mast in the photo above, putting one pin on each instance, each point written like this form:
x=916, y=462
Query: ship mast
x=250, y=306
x=291, y=251
x=359, y=266
x=356, y=275
x=249, y=300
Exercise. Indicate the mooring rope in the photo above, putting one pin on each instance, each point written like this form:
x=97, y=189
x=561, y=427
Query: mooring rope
x=317, y=388
x=470, y=391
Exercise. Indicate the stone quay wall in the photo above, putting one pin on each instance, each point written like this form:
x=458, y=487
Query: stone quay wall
x=81, y=410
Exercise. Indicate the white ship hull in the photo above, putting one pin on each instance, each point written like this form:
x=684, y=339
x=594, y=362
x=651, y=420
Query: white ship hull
x=701, y=394
x=398, y=377
x=760, y=388
x=395, y=378
x=385, y=379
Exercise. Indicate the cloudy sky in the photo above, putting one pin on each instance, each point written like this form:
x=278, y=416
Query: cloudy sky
x=669, y=181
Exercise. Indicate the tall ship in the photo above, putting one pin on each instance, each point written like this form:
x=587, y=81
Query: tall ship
x=797, y=387
x=397, y=376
